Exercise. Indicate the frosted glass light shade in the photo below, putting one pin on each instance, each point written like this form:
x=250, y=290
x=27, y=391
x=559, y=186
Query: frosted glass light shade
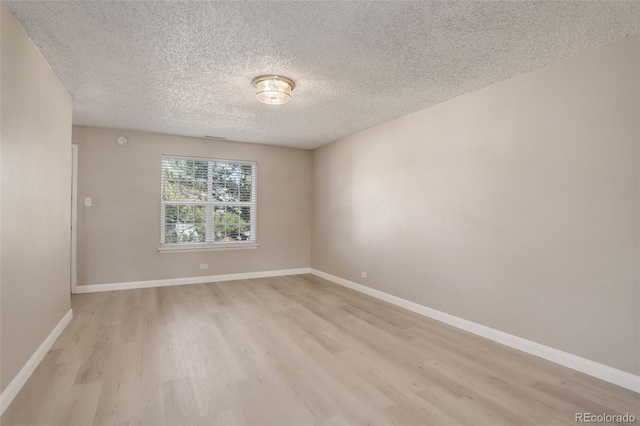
x=273, y=89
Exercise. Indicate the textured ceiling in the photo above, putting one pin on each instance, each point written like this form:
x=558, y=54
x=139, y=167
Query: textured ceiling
x=186, y=67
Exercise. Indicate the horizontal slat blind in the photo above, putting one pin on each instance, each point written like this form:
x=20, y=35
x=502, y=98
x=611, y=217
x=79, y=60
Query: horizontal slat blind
x=208, y=201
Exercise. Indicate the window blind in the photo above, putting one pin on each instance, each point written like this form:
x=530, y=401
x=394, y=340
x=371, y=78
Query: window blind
x=208, y=202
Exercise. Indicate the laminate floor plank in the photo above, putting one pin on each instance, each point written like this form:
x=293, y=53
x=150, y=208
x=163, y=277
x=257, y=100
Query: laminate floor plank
x=294, y=350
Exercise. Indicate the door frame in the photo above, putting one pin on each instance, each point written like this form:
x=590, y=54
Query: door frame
x=74, y=216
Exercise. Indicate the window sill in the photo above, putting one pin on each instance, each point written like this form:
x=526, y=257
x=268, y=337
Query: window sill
x=187, y=248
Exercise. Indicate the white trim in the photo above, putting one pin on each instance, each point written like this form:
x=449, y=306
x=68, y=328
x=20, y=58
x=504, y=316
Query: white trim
x=592, y=368
x=187, y=248
x=186, y=281
x=74, y=216
x=23, y=375
x=221, y=160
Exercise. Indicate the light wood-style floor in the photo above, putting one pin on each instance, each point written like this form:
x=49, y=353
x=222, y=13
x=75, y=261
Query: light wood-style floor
x=292, y=350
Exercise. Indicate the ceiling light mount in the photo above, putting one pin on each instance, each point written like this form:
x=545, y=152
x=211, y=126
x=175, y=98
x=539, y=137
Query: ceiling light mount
x=273, y=89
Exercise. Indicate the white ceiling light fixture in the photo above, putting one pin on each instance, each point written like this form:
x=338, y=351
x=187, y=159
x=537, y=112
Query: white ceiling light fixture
x=273, y=89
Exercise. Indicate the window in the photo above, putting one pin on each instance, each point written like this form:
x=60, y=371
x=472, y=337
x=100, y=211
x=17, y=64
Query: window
x=207, y=203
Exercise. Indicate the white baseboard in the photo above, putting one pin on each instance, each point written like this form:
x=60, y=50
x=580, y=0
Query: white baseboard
x=23, y=375
x=93, y=288
x=592, y=368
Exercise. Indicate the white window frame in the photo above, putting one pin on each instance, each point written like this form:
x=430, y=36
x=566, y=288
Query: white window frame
x=211, y=204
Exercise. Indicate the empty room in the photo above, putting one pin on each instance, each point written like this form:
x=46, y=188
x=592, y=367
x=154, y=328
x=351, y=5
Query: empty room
x=319, y=213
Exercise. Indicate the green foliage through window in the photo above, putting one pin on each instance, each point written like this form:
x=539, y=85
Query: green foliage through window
x=208, y=201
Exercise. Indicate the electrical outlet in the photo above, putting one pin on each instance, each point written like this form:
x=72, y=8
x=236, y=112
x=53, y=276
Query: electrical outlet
x=87, y=202
x=204, y=266
x=364, y=275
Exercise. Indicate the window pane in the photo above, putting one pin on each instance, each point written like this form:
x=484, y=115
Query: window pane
x=185, y=214
x=184, y=180
x=232, y=224
x=185, y=224
x=170, y=235
x=171, y=214
x=232, y=182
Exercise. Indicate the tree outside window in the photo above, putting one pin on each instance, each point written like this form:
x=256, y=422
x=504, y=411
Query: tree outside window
x=208, y=201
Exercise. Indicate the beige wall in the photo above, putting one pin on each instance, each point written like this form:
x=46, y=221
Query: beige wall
x=119, y=236
x=515, y=206
x=35, y=198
